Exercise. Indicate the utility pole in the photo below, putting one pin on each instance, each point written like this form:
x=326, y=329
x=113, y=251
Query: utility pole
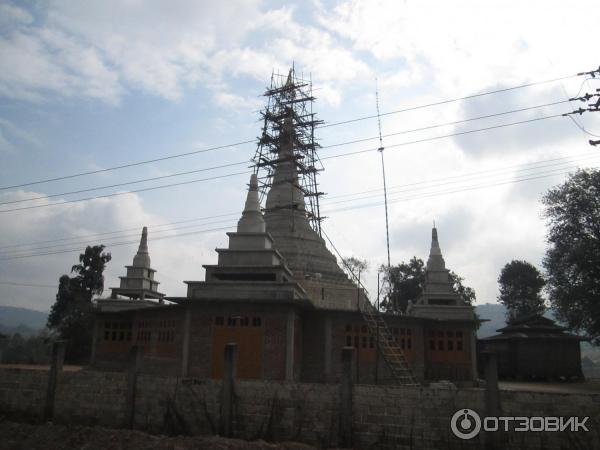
x=591, y=107
x=380, y=150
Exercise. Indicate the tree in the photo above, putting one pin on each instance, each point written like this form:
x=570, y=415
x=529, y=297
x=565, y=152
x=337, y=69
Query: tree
x=71, y=315
x=466, y=293
x=521, y=285
x=404, y=283
x=572, y=259
x=90, y=269
x=356, y=266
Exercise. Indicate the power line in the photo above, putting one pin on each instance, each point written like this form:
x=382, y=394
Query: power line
x=250, y=141
x=443, y=102
x=123, y=166
x=518, y=167
x=339, y=155
x=86, y=241
x=246, y=162
x=114, y=244
x=541, y=174
x=96, y=235
x=439, y=193
x=126, y=193
x=13, y=283
x=581, y=127
x=125, y=183
x=518, y=178
x=466, y=177
x=460, y=133
x=456, y=122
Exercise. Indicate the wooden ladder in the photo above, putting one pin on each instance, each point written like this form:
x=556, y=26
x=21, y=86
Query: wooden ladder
x=391, y=352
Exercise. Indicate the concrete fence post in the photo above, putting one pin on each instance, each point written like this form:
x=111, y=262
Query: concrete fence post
x=185, y=348
x=492, y=391
x=56, y=366
x=228, y=391
x=135, y=364
x=346, y=387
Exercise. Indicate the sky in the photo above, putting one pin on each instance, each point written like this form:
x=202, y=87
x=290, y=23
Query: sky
x=91, y=85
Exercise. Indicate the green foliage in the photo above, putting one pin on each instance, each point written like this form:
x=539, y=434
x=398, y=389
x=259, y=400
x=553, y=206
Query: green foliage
x=466, y=293
x=572, y=259
x=356, y=266
x=16, y=349
x=90, y=269
x=404, y=283
x=71, y=315
x=521, y=284
x=64, y=298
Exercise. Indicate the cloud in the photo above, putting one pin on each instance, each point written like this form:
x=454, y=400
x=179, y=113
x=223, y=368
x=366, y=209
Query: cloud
x=11, y=16
x=5, y=145
x=236, y=102
x=46, y=61
x=175, y=259
x=466, y=45
x=11, y=135
x=530, y=135
x=104, y=50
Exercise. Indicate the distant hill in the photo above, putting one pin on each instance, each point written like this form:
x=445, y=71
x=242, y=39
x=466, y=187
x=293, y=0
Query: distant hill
x=21, y=320
x=495, y=313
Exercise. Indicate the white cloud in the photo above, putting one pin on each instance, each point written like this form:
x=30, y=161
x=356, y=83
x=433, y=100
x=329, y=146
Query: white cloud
x=12, y=15
x=12, y=135
x=103, y=49
x=467, y=45
x=236, y=102
x=5, y=145
x=46, y=61
x=175, y=259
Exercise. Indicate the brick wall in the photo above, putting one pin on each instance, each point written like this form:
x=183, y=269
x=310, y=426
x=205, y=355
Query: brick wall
x=23, y=392
x=382, y=416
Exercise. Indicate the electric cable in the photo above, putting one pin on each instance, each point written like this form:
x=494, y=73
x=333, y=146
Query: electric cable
x=179, y=155
x=247, y=162
x=339, y=155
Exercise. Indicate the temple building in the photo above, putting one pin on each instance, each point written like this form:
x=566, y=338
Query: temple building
x=535, y=347
x=279, y=293
x=289, y=319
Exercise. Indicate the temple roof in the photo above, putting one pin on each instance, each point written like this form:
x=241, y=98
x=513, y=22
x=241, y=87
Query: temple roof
x=251, y=268
x=142, y=257
x=533, y=326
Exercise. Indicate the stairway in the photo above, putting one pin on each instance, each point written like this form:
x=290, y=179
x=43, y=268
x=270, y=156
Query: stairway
x=391, y=352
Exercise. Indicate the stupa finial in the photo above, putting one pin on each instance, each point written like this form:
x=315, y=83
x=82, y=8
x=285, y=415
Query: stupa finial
x=142, y=257
x=252, y=220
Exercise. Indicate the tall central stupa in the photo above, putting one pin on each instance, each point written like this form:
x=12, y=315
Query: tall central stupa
x=291, y=211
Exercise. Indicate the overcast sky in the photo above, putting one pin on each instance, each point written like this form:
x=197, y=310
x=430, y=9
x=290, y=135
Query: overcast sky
x=96, y=84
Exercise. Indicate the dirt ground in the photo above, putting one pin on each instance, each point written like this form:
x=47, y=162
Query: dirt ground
x=586, y=387
x=24, y=436
x=66, y=368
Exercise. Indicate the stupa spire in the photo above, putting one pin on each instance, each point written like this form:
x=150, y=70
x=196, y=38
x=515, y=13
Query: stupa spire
x=285, y=198
x=142, y=257
x=252, y=220
x=435, y=260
